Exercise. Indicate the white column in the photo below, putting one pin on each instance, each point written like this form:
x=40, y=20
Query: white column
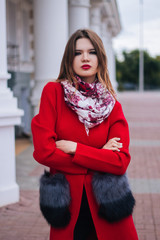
x=95, y=18
x=112, y=65
x=114, y=81
x=107, y=41
x=78, y=14
x=9, y=116
x=51, y=34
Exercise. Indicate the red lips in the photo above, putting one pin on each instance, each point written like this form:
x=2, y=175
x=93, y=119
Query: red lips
x=86, y=66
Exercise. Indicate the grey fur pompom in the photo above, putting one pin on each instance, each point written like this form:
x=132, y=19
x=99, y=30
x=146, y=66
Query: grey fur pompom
x=55, y=199
x=113, y=195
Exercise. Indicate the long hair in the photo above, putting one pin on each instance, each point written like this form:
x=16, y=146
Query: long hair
x=66, y=68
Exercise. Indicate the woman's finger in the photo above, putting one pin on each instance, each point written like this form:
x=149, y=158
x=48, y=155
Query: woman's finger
x=119, y=145
x=116, y=139
x=115, y=149
x=113, y=143
x=116, y=144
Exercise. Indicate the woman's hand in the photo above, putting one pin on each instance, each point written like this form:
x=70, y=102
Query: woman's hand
x=113, y=144
x=66, y=146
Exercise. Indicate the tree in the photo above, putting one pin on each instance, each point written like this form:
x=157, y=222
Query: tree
x=127, y=70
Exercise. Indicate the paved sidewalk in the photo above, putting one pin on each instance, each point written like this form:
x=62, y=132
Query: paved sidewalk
x=23, y=220
x=143, y=114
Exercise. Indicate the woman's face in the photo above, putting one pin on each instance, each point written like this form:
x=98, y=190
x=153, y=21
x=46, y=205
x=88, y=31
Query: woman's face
x=85, y=62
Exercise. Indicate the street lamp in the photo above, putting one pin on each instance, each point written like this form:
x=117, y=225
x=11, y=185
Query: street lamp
x=141, y=55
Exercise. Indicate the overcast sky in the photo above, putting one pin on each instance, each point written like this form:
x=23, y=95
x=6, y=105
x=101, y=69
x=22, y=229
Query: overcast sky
x=128, y=39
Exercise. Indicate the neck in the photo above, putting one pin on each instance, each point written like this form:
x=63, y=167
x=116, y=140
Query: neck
x=89, y=79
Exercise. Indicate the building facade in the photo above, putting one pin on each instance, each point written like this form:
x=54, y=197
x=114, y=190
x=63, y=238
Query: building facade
x=35, y=35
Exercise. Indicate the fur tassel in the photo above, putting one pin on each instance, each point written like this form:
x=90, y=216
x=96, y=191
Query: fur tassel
x=55, y=199
x=113, y=196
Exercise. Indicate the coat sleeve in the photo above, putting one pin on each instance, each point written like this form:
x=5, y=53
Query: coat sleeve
x=44, y=136
x=105, y=160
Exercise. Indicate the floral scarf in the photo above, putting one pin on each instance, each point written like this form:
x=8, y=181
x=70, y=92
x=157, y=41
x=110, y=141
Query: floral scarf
x=92, y=102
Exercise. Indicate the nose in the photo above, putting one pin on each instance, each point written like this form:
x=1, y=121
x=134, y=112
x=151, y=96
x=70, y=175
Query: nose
x=85, y=56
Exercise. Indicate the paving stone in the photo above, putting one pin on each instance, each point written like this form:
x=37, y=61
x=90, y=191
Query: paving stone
x=143, y=185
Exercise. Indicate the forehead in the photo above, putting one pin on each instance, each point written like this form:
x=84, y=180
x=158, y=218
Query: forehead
x=84, y=43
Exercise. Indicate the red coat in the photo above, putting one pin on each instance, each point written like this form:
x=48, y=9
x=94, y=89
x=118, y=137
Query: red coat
x=57, y=121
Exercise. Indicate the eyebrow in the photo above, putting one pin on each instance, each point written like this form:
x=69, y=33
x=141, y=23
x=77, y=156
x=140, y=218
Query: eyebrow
x=82, y=50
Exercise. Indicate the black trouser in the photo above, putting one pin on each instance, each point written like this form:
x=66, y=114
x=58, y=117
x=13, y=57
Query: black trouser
x=84, y=225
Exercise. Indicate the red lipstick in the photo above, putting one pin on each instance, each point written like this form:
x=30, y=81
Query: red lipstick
x=86, y=66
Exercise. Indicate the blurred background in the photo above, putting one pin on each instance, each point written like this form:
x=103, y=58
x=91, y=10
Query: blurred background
x=140, y=32
x=33, y=35
x=37, y=32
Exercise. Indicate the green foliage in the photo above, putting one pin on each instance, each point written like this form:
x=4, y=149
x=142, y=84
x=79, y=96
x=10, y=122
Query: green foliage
x=127, y=70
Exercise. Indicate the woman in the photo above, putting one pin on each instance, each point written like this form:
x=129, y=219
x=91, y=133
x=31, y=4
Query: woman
x=81, y=130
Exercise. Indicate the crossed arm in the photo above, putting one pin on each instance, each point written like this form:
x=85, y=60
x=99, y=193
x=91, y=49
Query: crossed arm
x=69, y=147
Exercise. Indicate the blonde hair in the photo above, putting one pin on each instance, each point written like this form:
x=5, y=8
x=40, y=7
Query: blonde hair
x=66, y=68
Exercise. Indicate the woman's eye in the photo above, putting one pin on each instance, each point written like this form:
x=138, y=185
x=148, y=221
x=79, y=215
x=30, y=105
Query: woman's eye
x=77, y=53
x=93, y=52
